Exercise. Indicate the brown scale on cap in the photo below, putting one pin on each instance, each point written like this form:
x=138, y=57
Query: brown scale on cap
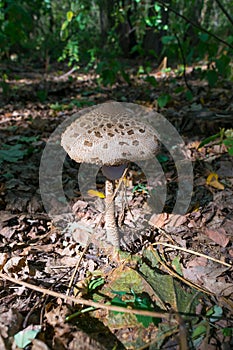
x=111, y=135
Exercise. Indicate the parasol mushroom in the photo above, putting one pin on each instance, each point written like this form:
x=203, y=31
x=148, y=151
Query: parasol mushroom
x=110, y=136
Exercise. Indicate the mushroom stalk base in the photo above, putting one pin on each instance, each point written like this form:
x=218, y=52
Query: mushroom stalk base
x=110, y=222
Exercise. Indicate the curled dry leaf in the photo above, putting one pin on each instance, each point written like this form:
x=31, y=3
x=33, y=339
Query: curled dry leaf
x=94, y=193
x=79, y=206
x=226, y=168
x=15, y=265
x=83, y=341
x=25, y=336
x=10, y=323
x=219, y=236
x=212, y=180
x=39, y=345
x=209, y=277
x=176, y=220
x=198, y=261
x=169, y=220
x=3, y=259
x=81, y=234
x=158, y=220
x=2, y=344
x=56, y=315
x=7, y=232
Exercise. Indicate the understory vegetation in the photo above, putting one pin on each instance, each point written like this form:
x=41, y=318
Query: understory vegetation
x=170, y=286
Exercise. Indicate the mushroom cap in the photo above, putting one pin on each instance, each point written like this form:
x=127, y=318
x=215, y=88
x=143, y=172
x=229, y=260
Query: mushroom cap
x=111, y=134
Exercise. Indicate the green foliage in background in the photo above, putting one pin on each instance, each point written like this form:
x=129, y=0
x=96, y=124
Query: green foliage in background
x=30, y=29
x=99, y=35
x=223, y=137
x=16, y=152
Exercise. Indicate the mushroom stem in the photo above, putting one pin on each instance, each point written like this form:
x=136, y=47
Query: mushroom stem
x=110, y=222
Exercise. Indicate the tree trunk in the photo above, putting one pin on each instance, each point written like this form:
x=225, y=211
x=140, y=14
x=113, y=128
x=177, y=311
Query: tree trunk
x=125, y=29
x=195, y=14
x=106, y=19
x=152, y=43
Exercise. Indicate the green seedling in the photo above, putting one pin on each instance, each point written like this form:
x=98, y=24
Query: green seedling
x=223, y=137
x=140, y=302
x=140, y=188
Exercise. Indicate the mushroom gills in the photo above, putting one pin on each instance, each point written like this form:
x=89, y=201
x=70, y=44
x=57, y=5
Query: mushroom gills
x=113, y=172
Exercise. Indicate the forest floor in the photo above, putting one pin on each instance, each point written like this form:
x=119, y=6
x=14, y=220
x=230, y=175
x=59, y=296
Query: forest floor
x=177, y=269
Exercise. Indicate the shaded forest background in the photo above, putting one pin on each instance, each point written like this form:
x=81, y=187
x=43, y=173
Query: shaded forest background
x=104, y=36
x=57, y=57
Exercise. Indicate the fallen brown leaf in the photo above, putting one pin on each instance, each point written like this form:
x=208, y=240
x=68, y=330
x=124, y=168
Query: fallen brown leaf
x=39, y=345
x=169, y=220
x=15, y=264
x=158, y=220
x=3, y=259
x=175, y=220
x=218, y=236
x=198, y=261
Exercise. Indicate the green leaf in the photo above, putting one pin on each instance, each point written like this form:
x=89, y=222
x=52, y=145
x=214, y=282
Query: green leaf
x=28, y=139
x=56, y=106
x=166, y=39
x=215, y=312
x=140, y=188
x=230, y=151
x=147, y=320
x=126, y=279
x=24, y=337
x=69, y=16
x=228, y=142
x=126, y=77
x=167, y=288
x=163, y=100
x=117, y=301
x=138, y=302
x=209, y=139
x=227, y=332
x=189, y=95
x=179, y=89
x=145, y=304
x=204, y=37
x=81, y=103
x=151, y=80
x=42, y=95
x=162, y=158
x=141, y=70
x=75, y=6
x=64, y=33
x=199, y=331
x=223, y=65
x=177, y=266
x=12, y=153
x=109, y=77
x=64, y=25
x=212, y=77
x=148, y=254
x=120, y=293
x=96, y=283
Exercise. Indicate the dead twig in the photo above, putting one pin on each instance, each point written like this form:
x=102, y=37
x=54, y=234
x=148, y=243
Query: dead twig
x=82, y=301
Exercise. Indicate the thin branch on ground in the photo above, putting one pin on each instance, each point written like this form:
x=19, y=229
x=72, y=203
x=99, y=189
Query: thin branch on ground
x=76, y=300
